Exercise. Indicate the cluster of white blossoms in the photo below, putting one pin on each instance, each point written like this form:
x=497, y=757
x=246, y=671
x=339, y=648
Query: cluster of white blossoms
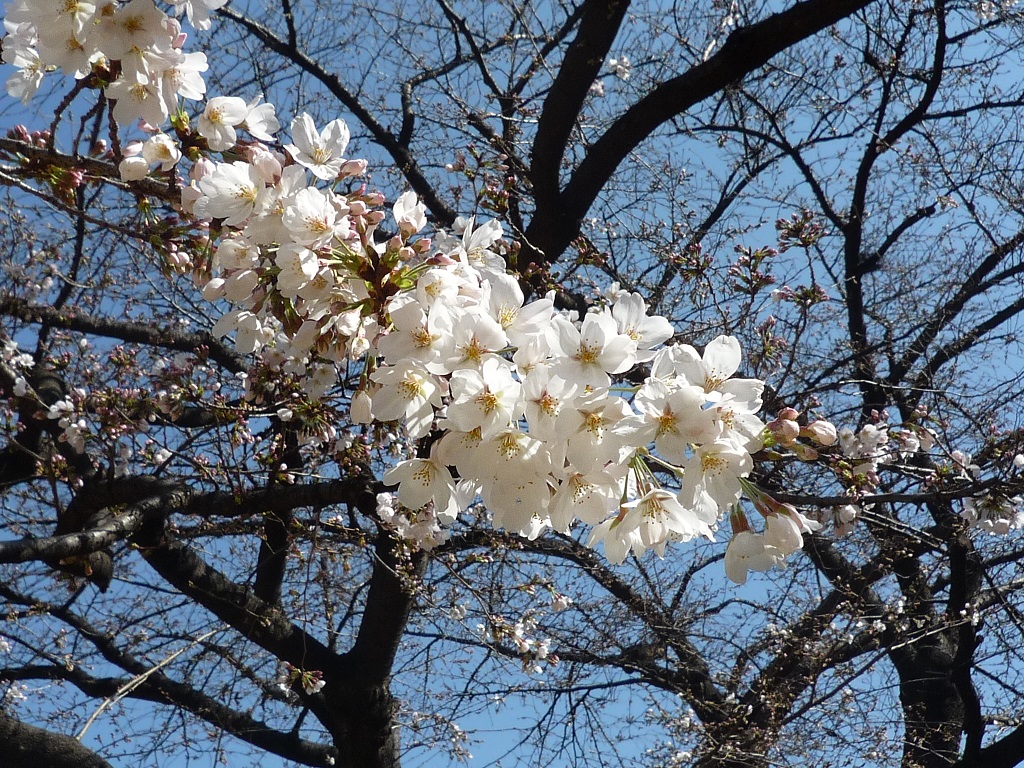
x=513, y=403
x=75, y=426
x=135, y=48
x=993, y=513
x=292, y=256
x=523, y=406
x=522, y=403
x=518, y=399
x=783, y=535
x=289, y=678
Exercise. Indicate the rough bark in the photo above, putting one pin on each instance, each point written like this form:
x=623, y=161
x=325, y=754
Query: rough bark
x=26, y=746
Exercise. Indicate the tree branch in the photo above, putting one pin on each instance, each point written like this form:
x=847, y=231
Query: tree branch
x=558, y=217
x=26, y=746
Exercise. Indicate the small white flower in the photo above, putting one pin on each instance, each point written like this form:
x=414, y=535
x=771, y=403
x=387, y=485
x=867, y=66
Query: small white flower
x=219, y=119
x=561, y=602
x=321, y=153
x=133, y=169
x=161, y=149
x=749, y=551
x=261, y=120
x=622, y=67
x=231, y=192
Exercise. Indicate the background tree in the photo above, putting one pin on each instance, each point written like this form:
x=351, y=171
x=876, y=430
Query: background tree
x=175, y=545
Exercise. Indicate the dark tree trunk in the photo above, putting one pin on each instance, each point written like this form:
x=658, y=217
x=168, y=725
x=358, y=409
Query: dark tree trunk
x=933, y=710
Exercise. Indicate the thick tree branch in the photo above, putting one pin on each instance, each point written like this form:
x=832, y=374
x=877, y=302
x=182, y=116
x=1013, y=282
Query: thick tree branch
x=26, y=746
x=113, y=528
x=584, y=58
x=160, y=689
x=557, y=221
x=135, y=332
x=236, y=605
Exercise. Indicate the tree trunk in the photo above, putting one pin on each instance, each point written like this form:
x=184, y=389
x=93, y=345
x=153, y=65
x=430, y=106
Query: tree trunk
x=933, y=710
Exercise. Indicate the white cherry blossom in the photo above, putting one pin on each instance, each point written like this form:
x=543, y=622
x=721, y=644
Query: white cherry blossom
x=261, y=120
x=632, y=320
x=410, y=214
x=594, y=351
x=422, y=481
x=407, y=393
x=232, y=192
x=312, y=218
x=160, y=148
x=219, y=119
x=487, y=399
x=658, y=515
x=198, y=11
x=749, y=551
x=322, y=153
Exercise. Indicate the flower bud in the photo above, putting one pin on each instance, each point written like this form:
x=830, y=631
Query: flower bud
x=822, y=432
x=785, y=431
x=361, y=409
x=133, y=169
x=804, y=452
x=352, y=168
x=202, y=168
x=266, y=164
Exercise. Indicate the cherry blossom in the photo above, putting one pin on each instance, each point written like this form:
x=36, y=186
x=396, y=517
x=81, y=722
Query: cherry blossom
x=231, y=193
x=592, y=352
x=408, y=392
x=321, y=153
x=218, y=121
x=749, y=551
x=422, y=481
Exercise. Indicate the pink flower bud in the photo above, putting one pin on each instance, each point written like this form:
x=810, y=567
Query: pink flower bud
x=133, y=169
x=804, y=452
x=822, y=432
x=214, y=289
x=189, y=195
x=202, y=168
x=927, y=438
x=785, y=431
x=789, y=414
x=353, y=168
x=266, y=164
